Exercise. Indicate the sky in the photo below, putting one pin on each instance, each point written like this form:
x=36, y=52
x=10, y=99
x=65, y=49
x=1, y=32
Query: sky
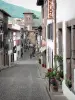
x=31, y=4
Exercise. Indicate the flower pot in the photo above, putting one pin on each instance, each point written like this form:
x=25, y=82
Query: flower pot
x=54, y=88
x=54, y=84
x=69, y=85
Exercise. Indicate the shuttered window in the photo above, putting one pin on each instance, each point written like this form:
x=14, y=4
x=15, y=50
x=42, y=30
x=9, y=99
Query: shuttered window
x=50, y=31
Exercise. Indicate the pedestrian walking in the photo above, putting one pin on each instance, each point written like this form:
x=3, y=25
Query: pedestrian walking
x=33, y=52
x=22, y=54
x=30, y=55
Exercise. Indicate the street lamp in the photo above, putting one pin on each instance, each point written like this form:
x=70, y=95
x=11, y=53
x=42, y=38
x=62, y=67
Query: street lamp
x=36, y=37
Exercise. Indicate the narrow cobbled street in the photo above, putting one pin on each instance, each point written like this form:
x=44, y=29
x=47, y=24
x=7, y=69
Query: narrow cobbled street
x=23, y=81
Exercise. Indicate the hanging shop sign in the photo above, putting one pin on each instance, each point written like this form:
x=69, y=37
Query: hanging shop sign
x=50, y=9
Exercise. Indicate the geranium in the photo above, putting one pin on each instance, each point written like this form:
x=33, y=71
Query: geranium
x=42, y=65
x=50, y=70
x=50, y=73
x=45, y=65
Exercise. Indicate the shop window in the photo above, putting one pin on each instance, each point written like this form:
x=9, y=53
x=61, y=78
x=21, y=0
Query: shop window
x=28, y=18
x=50, y=31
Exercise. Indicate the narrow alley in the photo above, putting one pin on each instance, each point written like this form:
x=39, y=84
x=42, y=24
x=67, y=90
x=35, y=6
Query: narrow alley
x=23, y=81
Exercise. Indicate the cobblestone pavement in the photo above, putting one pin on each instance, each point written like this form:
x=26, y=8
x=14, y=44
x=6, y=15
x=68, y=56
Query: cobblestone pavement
x=22, y=82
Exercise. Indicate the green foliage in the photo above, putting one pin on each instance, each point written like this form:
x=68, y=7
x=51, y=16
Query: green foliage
x=61, y=73
x=54, y=73
x=51, y=74
x=69, y=83
x=58, y=59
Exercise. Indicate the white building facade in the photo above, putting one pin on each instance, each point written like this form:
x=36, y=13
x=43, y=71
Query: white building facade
x=65, y=13
x=65, y=16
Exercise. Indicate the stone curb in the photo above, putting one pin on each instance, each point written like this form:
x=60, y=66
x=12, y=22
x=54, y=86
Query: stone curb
x=54, y=96
x=6, y=67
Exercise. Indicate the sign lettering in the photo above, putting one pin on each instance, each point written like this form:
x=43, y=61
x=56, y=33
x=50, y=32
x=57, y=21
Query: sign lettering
x=50, y=9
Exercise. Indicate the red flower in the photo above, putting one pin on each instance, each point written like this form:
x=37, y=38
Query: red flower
x=45, y=65
x=50, y=70
x=42, y=65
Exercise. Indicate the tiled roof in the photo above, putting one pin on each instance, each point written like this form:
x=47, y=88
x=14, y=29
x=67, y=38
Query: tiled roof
x=17, y=11
x=5, y=12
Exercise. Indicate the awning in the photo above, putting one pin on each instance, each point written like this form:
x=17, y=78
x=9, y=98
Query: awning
x=42, y=49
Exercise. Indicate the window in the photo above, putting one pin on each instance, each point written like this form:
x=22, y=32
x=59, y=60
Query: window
x=28, y=18
x=43, y=12
x=1, y=26
x=1, y=42
x=50, y=31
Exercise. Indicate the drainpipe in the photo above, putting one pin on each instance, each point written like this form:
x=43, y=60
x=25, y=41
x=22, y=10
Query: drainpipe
x=54, y=32
x=54, y=26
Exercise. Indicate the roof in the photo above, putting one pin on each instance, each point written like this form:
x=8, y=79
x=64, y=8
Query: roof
x=3, y=11
x=28, y=12
x=17, y=11
x=9, y=28
x=33, y=14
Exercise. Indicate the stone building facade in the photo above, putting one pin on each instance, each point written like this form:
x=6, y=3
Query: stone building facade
x=28, y=26
x=3, y=33
x=28, y=20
